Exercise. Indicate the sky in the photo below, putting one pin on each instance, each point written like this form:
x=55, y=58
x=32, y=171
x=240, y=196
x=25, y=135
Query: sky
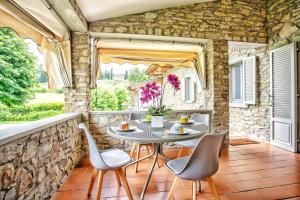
x=121, y=69
x=34, y=50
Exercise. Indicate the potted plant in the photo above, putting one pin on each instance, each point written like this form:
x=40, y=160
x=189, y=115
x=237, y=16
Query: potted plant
x=152, y=92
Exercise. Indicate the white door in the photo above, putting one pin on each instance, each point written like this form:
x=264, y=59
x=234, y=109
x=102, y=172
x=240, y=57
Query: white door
x=283, y=97
x=298, y=94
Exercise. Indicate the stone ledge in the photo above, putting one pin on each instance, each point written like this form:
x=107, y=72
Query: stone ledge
x=21, y=130
x=135, y=111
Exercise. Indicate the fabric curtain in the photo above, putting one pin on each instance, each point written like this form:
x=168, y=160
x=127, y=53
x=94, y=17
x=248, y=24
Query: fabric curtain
x=158, y=58
x=55, y=48
x=63, y=52
x=95, y=65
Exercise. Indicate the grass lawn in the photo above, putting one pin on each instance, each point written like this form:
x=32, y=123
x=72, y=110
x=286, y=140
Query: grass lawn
x=13, y=122
x=48, y=97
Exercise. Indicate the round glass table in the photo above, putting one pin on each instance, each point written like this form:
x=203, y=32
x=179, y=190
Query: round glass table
x=145, y=134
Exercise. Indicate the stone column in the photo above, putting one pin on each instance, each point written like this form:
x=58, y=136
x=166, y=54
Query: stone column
x=77, y=99
x=220, y=93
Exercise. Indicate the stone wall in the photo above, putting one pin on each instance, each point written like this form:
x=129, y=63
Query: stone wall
x=78, y=98
x=35, y=166
x=175, y=100
x=253, y=120
x=283, y=21
x=238, y=20
x=283, y=17
x=100, y=121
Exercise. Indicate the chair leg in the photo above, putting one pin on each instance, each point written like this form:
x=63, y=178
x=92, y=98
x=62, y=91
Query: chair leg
x=118, y=178
x=171, y=193
x=137, y=157
x=194, y=190
x=199, y=186
x=132, y=149
x=95, y=172
x=148, y=149
x=213, y=187
x=124, y=182
x=100, y=182
x=183, y=152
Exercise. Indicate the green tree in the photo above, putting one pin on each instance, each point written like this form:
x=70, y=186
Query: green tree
x=136, y=75
x=102, y=99
x=126, y=75
x=111, y=74
x=18, y=73
x=43, y=77
x=122, y=98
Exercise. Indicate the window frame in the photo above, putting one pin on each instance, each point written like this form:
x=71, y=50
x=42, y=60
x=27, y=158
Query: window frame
x=232, y=82
x=242, y=103
x=191, y=89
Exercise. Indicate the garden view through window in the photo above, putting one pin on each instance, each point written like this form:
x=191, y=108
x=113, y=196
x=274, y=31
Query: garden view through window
x=114, y=86
x=119, y=86
x=24, y=93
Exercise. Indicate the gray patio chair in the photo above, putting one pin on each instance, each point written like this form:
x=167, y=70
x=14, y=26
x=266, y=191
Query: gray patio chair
x=103, y=161
x=138, y=116
x=201, y=165
x=186, y=146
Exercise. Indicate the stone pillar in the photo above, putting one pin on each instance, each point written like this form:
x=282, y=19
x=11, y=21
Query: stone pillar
x=220, y=115
x=77, y=99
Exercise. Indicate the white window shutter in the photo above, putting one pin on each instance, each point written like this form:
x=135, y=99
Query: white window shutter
x=182, y=89
x=192, y=90
x=281, y=61
x=249, y=78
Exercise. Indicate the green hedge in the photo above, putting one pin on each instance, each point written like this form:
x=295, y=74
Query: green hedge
x=30, y=112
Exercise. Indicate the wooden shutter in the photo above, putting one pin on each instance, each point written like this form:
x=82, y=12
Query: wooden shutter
x=192, y=89
x=249, y=79
x=281, y=61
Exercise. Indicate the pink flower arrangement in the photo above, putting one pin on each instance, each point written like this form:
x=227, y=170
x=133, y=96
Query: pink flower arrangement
x=174, y=81
x=152, y=92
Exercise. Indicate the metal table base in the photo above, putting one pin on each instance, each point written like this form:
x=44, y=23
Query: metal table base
x=157, y=151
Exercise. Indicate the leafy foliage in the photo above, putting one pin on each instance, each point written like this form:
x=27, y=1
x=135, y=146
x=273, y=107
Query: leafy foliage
x=17, y=69
x=30, y=112
x=103, y=99
x=158, y=110
x=122, y=97
x=136, y=75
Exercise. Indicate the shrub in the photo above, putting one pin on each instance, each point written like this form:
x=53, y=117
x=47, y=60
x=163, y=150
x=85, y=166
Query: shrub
x=30, y=112
x=102, y=99
x=41, y=90
x=122, y=98
x=59, y=91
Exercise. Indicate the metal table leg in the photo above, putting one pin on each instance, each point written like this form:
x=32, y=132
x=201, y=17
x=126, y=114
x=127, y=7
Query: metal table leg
x=155, y=152
x=161, y=152
x=139, y=160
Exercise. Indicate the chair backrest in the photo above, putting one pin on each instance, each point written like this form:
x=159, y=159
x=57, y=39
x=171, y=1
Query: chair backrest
x=201, y=118
x=204, y=161
x=137, y=116
x=95, y=156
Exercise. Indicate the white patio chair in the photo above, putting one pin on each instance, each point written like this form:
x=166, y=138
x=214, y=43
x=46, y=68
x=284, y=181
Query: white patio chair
x=187, y=146
x=103, y=161
x=201, y=165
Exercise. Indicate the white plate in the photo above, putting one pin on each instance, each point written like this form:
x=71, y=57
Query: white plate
x=132, y=128
x=189, y=122
x=186, y=131
x=145, y=121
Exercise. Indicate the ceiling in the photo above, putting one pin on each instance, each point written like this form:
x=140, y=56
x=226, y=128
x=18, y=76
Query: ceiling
x=103, y=9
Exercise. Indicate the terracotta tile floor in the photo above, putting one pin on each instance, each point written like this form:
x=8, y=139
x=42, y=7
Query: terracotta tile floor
x=248, y=172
